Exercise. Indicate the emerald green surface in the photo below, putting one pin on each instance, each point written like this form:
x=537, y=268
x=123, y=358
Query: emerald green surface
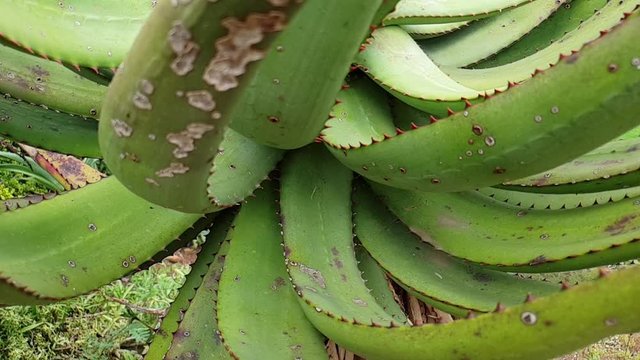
x=435, y=277
x=257, y=309
x=239, y=168
x=48, y=129
x=433, y=30
x=532, y=127
x=379, y=284
x=541, y=329
x=162, y=122
x=528, y=200
x=564, y=20
x=361, y=97
x=80, y=32
x=318, y=240
x=308, y=61
x=474, y=227
x=467, y=46
x=436, y=11
x=589, y=30
x=191, y=311
x=78, y=241
x=42, y=82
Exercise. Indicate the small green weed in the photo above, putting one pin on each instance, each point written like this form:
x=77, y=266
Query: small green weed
x=115, y=322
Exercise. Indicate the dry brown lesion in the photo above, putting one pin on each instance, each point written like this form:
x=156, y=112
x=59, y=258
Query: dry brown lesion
x=121, y=128
x=174, y=168
x=201, y=99
x=185, y=140
x=185, y=49
x=235, y=50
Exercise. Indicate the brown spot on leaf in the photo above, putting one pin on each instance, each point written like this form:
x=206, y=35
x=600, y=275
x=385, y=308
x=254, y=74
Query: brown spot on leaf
x=141, y=101
x=173, y=169
x=571, y=59
x=39, y=71
x=235, y=50
x=186, y=50
x=314, y=275
x=121, y=128
x=619, y=226
x=426, y=237
x=277, y=283
x=201, y=99
x=185, y=140
x=538, y=260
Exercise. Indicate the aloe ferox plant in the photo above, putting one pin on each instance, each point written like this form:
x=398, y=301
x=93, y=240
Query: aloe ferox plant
x=489, y=140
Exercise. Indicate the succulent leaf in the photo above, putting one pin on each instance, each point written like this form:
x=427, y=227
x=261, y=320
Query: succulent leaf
x=99, y=242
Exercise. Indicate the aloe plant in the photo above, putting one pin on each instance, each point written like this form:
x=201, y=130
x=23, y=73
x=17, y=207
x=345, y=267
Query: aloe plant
x=486, y=138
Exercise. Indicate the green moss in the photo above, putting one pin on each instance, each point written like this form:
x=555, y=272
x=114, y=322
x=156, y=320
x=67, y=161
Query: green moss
x=115, y=322
x=14, y=185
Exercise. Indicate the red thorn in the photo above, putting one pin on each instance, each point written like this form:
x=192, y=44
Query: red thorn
x=338, y=102
x=604, y=32
x=345, y=87
x=76, y=66
x=399, y=131
x=95, y=70
x=467, y=104
x=538, y=71
x=565, y=285
x=387, y=136
x=58, y=61
x=529, y=298
x=362, y=48
x=433, y=119
x=29, y=49
x=511, y=84
x=45, y=56
x=373, y=27
x=625, y=15
x=319, y=139
x=499, y=308
x=414, y=126
x=497, y=91
x=450, y=112
x=353, y=68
